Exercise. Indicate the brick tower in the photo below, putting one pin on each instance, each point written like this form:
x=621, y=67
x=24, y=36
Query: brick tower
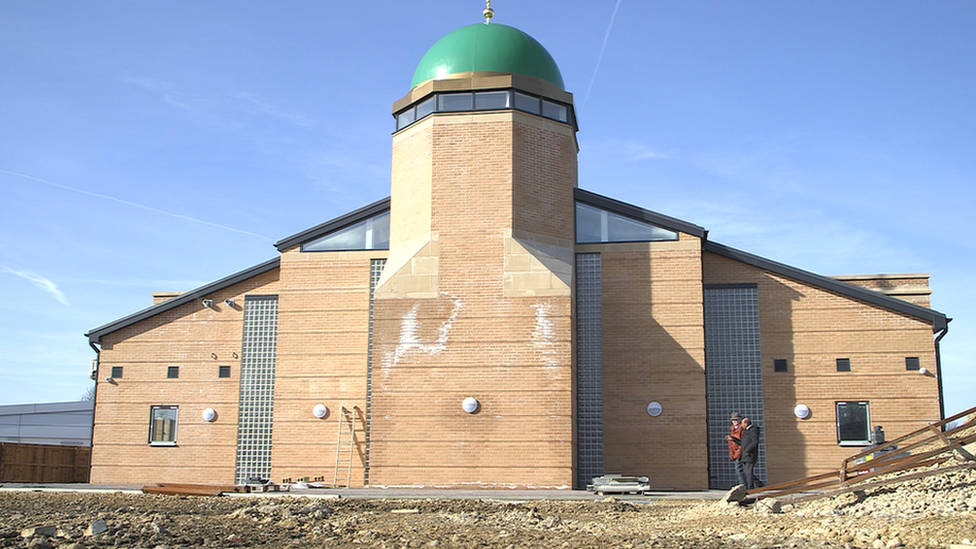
x=471, y=369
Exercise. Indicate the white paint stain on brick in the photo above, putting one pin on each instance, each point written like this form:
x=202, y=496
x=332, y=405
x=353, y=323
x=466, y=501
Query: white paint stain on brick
x=410, y=340
x=544, y=334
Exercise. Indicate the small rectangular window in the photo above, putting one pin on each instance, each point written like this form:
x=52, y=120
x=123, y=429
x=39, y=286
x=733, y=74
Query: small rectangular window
x=425, y=108
x=224, y=371
x=455, y=102
x=555, y=111
x=527, y=103
x=780, y=365
x=117, y=372
x=843, y=365
x=489, y=101
x=406, y=118
x=173, y=372
x=911, y=363
x=162, y=425
x=853, y=423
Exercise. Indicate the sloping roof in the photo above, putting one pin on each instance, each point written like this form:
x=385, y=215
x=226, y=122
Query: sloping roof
x=334, y=224
x=938, y=320
x=635, y=212
x=95, y=336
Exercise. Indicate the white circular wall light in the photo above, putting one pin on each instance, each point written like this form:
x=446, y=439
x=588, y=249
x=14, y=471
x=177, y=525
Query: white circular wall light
x=654, y=409
x=923, y=371
x=801, y=411
x=470, y=405
x=320, y=410
x=209, y=414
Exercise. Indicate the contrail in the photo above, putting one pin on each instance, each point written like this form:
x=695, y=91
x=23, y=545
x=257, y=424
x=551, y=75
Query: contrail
x=127, y=203
x=600, y=57
x=41, y=282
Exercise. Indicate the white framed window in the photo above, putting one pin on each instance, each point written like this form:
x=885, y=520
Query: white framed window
x=162, y=425
x=853, y=423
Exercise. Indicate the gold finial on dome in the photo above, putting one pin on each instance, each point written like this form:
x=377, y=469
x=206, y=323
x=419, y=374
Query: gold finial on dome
x=488, y=13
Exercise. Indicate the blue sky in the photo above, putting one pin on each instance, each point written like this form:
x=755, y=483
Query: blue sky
x=154, y=146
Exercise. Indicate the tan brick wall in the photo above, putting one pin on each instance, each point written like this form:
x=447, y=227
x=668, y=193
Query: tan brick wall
x=913, y=288
x=198, y=340
x=513, y=354
x=654, y=350
x=323, y=334
x=811, y=328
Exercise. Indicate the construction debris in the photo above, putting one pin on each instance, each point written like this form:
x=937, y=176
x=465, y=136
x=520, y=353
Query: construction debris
x=194, y=489
x=912, y=456
x=619, y=484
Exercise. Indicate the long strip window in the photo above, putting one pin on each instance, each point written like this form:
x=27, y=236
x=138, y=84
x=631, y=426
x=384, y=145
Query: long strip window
x=497, y=100
x=369, y=234
x=595, y=225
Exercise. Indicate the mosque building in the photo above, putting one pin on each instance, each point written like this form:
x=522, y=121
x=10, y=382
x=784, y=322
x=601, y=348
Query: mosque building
x=491, y=324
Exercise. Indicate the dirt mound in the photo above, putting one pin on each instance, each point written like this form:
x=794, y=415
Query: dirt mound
x=44, y=520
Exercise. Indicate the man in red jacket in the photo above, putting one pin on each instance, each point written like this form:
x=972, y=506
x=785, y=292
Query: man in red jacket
x=734, y=439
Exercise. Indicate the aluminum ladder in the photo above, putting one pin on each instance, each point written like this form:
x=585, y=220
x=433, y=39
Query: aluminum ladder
x=345, y=444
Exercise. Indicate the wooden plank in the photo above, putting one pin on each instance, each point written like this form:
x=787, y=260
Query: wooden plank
x=194, y=489
x=877, y=483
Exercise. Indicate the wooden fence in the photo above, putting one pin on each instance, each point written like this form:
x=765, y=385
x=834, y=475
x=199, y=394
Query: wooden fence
x=43, y=463
x=910, y=456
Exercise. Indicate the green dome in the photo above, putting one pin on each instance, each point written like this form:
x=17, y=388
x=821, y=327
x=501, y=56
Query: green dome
x=487, y=47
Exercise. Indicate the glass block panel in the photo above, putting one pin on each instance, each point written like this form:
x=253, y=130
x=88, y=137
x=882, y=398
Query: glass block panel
x=733, y=375
x=589, y=369
x=375, y=272
x=455, y=102
x=484, y=101
x=257, y=388
x=527, y=103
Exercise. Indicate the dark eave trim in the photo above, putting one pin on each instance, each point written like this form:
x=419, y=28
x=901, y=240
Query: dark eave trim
x=635, y=212
x=95, y=336
x=334, y=224
x=937, y=319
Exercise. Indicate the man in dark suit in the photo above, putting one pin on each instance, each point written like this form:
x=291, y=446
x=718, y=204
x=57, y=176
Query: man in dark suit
x=750, y=451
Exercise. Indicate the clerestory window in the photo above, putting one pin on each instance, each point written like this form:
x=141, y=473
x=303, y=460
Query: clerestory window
x=369, y=234
x=595, y=225
x=484, y=101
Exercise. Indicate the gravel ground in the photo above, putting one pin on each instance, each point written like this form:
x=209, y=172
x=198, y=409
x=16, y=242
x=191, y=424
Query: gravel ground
x=935, y=511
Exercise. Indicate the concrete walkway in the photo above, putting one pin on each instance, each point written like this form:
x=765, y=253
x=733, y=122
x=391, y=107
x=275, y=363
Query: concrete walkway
x=396, y=493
